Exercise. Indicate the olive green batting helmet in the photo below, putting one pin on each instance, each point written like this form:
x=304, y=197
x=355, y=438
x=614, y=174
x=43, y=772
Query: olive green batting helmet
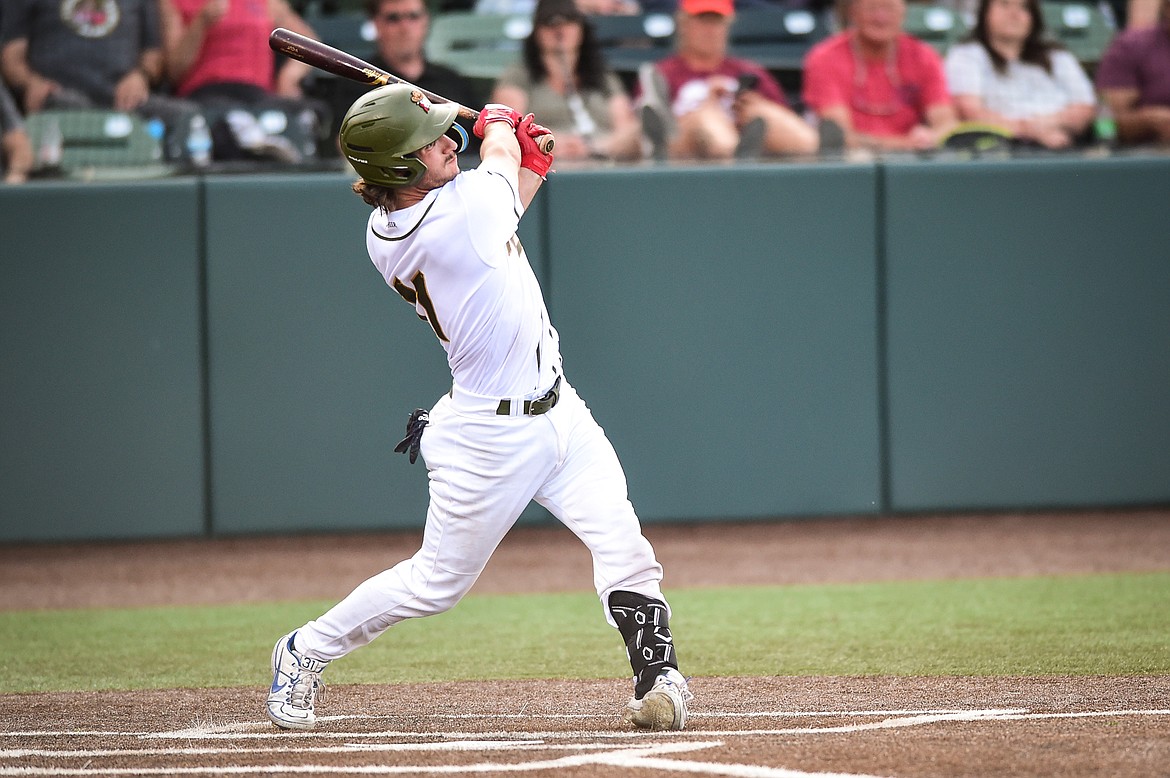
x=385, y=126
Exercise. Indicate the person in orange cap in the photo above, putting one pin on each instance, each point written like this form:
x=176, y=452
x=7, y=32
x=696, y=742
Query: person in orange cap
x=702, y=103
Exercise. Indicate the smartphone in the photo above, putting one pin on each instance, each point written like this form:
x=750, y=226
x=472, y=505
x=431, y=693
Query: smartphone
x=748, y=82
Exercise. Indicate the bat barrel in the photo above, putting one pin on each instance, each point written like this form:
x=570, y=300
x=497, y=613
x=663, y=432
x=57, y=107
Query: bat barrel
x=325, y=57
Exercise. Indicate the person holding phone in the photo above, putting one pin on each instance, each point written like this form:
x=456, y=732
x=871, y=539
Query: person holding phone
x=701, y=103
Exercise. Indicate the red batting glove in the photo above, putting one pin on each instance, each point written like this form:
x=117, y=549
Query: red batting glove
x=494, y=112
x=531, y=156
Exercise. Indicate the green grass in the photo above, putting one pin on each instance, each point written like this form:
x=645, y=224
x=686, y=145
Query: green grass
x=1079, y=625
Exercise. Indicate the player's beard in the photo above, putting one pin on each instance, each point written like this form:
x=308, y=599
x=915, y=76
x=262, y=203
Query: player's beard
x=438, y=175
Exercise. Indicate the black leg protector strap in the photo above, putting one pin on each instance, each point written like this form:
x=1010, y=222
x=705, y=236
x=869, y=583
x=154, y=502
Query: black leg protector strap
x=649, y=645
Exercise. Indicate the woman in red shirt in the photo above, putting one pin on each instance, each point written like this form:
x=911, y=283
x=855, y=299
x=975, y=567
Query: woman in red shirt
x=217, y=54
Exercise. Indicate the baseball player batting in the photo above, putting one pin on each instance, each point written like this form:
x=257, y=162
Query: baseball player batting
x=510, y=430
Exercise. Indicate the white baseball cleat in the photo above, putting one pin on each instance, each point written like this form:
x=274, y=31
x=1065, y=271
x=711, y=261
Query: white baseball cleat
x=664, y=706
x=296, y=679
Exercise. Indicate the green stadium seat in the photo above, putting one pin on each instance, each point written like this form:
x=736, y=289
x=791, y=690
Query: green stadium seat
x=99, y=144
x=349, y=31
x=937, y=25
x=477, y=45
x=777, y=38
x=628, y=41
x=1083, y=28
x=307, y=8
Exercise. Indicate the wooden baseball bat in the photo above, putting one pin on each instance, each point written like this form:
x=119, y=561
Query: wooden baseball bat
x=339, y=63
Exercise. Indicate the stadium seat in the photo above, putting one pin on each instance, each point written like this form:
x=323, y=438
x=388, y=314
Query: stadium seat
x=628, y=41
x=477, y=45
x=98, y=144
x=1083, y=28
x=349, y=31
x=937, y=25
x=308, y=8
x=777, y=38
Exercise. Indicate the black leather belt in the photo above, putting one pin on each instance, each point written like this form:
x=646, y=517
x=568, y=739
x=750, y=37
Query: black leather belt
x=534, y=407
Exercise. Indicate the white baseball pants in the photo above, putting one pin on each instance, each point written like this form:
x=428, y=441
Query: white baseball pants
x=484, y=469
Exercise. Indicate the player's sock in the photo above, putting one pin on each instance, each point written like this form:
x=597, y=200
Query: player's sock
x=643, y=624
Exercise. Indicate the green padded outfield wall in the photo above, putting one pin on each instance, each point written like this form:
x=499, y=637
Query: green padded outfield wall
x=315, y=362
x=781, y=340
x=722, y=325
x=101, y=432
x=1028, y=313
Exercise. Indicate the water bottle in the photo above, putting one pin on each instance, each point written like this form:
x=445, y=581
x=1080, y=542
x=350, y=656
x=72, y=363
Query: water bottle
x=1105, y=127
x=199, y=142
x=157, y=131
x=52, y=145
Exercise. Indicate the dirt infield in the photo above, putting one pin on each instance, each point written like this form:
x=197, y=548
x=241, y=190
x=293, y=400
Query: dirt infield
x=790, y=727
x=775, y=726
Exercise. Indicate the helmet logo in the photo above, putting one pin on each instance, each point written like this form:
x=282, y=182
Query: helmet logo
x=419, y=99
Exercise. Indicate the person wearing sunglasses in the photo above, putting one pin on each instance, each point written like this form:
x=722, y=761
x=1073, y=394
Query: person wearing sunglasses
x=885, y=88
x=400, y=33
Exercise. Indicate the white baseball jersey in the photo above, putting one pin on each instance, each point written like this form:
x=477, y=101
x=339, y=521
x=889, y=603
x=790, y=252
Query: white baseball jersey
x=455, y=256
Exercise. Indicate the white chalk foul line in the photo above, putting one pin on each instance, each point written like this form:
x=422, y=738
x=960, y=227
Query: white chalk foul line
x=266, y=727
x=720, y=768
x=887, y=723
x=641, y=758
x=631, y=756
x=348, y=748
x=907, y=718
x=763, y=714
x=693, y=715
x=1082, y=715
x=73, y=733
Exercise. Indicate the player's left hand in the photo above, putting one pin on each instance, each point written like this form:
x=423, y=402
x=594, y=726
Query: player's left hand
x=531, y=157
x=495, y=112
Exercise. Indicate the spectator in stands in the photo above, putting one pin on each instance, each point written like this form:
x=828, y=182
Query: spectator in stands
x=400, y=30
x=587, y=7
x=701, y=103
x=16, y=155
x=217, y=55
x=564, y=80
x=671, y=6
x=883, y=87
x=1009, y=75
x=608, y=8
x=89, y=54
x=1134, y=81
x=1140, y=14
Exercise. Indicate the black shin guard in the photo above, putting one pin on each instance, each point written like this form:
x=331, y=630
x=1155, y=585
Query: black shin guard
x=644, y=626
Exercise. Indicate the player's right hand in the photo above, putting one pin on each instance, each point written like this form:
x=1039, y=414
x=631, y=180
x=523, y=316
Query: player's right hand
x=531, y=156
x=495, y=112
